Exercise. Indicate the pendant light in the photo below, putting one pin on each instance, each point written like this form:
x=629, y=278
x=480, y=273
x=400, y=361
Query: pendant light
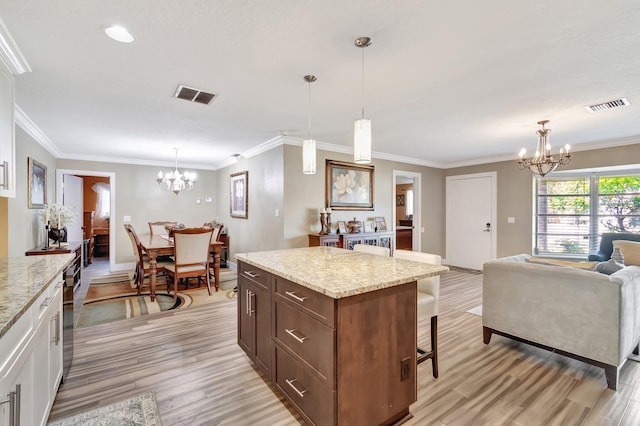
x=309, y=145
x=362, y=126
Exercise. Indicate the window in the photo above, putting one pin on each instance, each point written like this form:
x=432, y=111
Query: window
x=573, y=211
x=103, y=204
x=408, y=205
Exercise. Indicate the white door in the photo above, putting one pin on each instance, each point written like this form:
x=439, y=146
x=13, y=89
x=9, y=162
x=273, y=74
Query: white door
x=471, y=219
x=72, y=198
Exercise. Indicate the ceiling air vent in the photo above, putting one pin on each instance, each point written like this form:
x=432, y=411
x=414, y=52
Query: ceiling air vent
x=193, y=95
x=618, y=103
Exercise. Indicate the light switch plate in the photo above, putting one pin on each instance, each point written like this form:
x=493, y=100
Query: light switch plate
x=126, y=219
x=208, y=200
x=511, y=219
x=197, y=200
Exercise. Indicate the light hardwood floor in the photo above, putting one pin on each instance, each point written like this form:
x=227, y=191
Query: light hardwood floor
x=201, y=377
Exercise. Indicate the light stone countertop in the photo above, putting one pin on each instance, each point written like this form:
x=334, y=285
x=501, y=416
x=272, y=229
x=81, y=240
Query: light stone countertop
x=339, y=273
x=22, y=280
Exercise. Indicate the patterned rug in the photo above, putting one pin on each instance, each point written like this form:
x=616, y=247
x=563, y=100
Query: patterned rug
x=141, y=410
x=114, y=297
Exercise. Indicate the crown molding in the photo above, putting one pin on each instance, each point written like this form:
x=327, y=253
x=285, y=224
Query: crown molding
x=34, y=131
x=135, y=161
x=10, y=54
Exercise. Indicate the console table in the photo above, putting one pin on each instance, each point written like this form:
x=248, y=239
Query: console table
x=382, y=239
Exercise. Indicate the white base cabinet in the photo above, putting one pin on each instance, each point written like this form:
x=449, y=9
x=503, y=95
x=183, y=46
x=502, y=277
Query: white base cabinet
x=31, y=361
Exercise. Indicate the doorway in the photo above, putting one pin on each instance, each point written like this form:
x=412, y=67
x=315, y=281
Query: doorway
x=471, y=219
x=407, y=202
x=68, y=175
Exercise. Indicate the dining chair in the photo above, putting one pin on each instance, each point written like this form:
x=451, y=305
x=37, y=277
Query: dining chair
x=217, y=233
x=158, y=228
x=142, y=262
x=366, y=248
x=192, y=247
x=428, y=298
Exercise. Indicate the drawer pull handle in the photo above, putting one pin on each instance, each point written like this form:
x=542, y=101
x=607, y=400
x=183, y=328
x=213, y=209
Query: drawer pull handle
x=5, y=175
x=293, y=295
x=291, y=333
x=252, y=274
x=299, y=392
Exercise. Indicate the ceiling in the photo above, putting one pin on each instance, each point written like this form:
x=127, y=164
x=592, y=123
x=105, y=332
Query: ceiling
x=446, y=83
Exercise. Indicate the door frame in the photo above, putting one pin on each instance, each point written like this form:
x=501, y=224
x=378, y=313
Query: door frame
x=417, y=206
x=494, y=207
x=112, y=183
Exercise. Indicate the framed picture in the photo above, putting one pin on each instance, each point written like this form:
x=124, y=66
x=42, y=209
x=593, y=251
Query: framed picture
x=400, y=200
x=381, y=224
x=240, y=195
x=349, y=186
x=37, y=185
x=369, y=226
x=342, y=227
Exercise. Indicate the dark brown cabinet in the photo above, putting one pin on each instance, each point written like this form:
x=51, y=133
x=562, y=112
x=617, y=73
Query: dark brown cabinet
x=254, y=316
x=321, y=352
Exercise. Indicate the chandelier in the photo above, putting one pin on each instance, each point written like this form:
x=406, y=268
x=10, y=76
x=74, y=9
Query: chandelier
x=176, y=181
x=309, y=145
x=543, y=162
x=362, y=126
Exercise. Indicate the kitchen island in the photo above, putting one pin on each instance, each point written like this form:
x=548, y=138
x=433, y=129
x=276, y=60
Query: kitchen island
x=334, y=330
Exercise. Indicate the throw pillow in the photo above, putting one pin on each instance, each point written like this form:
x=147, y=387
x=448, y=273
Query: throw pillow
x=609, y=267
x=630, y=251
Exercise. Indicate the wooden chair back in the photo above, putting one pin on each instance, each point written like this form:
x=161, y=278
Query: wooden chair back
x=135, y=242
x=158, y=228
x=192, y=246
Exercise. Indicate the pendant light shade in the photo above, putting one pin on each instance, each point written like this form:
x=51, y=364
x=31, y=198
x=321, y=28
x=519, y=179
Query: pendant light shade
x=362, y=126
x=309, y=145
x=362, y=141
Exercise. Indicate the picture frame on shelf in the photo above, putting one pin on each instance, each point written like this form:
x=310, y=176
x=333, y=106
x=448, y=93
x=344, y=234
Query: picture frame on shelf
x=240, y=195
x=369, y=226
x=381, y=224
x=349, y=186
x=342, y=227
x=37, y=184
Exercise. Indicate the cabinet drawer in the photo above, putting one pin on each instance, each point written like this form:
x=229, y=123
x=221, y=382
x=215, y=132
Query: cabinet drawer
x=313, y=303
x=308, y=338
x=310, y=395
x=255, y=274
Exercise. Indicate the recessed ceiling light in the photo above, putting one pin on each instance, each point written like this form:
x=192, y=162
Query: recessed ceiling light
x=119, y=33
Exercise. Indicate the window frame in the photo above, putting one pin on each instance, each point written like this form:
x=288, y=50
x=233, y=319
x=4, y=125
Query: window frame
x=594, y=205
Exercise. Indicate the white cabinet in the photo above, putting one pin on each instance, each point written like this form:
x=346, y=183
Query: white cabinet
x=7, y=135
x=31, y=361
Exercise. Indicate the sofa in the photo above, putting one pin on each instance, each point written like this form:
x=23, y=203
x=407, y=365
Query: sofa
x=578, y=313
x=606, y=244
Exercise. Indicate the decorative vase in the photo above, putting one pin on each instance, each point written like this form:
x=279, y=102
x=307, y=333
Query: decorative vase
x=354, y=226
x=617, y=255
x=58, y=235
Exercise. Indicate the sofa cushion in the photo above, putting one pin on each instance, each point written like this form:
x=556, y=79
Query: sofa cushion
x=630, y=251
x=609, y=267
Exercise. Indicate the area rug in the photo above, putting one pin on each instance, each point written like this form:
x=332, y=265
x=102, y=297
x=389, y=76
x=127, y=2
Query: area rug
x=476, y=311
x=114, y=297
x=141, y=410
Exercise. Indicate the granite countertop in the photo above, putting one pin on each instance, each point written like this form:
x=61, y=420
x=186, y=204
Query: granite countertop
x=340, y=273
x=22, y=280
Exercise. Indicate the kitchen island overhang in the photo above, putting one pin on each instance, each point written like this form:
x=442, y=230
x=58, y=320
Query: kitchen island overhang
x=334, y=330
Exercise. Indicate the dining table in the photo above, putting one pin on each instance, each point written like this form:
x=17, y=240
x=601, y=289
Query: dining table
x=155, y=245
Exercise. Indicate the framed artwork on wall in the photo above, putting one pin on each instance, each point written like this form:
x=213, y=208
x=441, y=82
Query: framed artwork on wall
x=37, y=185
x=240, y=195
x=349, y=186
x=400, y=200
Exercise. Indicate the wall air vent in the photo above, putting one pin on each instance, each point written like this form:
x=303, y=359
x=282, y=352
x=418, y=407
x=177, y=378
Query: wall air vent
x=618, y=103
x=193, y=95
